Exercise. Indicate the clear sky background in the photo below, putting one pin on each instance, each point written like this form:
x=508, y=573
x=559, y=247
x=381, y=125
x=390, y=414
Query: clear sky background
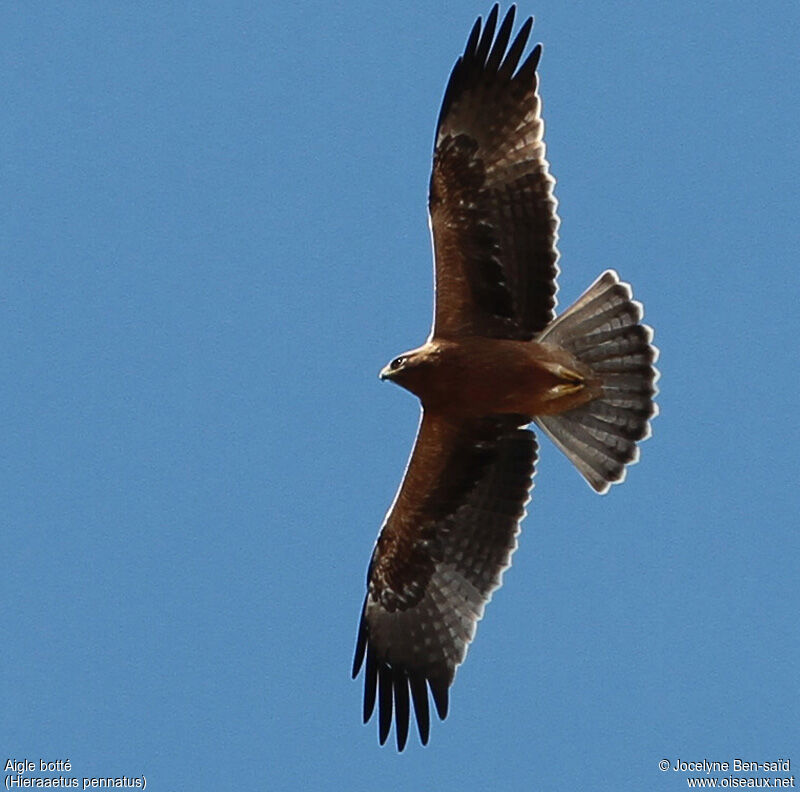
x=213, y=236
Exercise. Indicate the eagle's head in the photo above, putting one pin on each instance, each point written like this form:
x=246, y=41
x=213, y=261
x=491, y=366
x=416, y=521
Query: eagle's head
x=412, y=369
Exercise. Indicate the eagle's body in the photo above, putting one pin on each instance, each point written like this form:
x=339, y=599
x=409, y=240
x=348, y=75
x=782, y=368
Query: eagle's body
x=497, y=359
x=476, y=376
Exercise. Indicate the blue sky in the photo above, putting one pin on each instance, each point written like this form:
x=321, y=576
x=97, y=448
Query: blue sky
x=214, y=235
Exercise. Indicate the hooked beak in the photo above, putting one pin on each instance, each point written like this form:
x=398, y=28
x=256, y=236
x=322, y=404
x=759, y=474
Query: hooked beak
x=386, y=374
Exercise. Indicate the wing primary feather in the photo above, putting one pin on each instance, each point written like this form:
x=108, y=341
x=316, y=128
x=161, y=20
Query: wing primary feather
x=361, y=643
x=401, y=712
x=474, y=35
x=515, y=52
x=384, y=702
x=370, y=684
x=450, y=92
x=488, y=34
x=419, y=694
x=527, y=71
x=501, y=42
x=440, y=692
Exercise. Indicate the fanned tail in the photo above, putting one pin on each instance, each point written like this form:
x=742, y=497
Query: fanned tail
x=603, y=330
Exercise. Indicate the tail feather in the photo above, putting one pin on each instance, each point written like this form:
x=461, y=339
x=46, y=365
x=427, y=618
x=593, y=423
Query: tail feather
x=603, y=330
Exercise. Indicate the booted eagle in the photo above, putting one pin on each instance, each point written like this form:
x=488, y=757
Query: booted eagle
x=496, y=360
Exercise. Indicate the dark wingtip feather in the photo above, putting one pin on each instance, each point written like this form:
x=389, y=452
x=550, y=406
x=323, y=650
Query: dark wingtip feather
x=488, y=34
x=440, y=691
x=517, y=48
x=370, y=685
x=361, y=643
x=527, y=71
x=452, y=87
x=472, y=41
x=501, y=41
x=401, y=709
x=384, y=702
x=419, y=694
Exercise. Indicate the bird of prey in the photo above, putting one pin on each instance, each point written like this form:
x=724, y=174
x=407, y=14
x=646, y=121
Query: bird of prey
x=496, y=360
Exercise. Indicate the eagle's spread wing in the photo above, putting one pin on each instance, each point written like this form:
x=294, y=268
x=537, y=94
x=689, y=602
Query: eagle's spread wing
x=492, y=210
x=442, y=550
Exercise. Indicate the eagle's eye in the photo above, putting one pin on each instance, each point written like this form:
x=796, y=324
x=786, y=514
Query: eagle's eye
x=397, y=363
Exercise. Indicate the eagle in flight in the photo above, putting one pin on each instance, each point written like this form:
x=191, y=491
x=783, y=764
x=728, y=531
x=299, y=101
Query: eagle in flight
x=496, y=360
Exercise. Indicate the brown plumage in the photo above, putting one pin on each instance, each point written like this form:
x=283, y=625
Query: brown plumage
x=496, y=360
